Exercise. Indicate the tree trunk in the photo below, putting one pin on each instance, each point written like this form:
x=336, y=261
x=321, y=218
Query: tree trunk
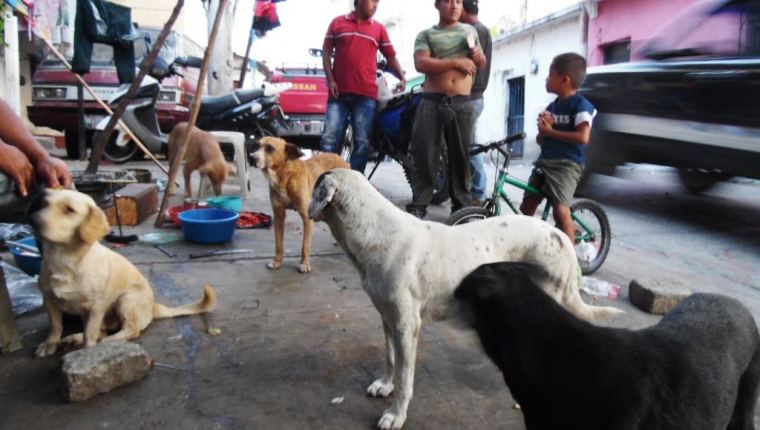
x=220, y=67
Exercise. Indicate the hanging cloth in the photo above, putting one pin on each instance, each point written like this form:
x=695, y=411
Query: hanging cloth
x=98, y=21
x=265, y=17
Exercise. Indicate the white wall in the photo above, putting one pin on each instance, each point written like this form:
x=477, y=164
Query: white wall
x=511, y=58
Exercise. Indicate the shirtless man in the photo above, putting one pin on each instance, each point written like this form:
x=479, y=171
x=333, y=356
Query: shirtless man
x=448, y=54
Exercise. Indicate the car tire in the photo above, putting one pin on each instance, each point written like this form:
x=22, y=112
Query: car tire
x=699, y=180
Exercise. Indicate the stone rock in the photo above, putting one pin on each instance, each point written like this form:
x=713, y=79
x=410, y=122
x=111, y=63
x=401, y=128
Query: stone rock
x=101, y=368
x=656, y=296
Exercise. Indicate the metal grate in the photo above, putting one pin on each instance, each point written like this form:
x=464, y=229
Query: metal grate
x=82, y=177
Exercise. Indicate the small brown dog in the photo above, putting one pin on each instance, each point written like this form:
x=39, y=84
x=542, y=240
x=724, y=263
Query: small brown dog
x=203, y=154
x=80, y=276
x=290, y=183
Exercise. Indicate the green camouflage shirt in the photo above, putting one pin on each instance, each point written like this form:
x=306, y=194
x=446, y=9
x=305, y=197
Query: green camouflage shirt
x=447, y=42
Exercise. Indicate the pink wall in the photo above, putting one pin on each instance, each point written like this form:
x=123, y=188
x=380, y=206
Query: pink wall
x=635, y=19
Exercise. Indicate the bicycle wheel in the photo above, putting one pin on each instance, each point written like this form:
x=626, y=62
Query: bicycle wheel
x=466, y=215
x=593, y=234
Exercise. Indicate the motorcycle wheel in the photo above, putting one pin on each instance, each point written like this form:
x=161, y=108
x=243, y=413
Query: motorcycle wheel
x=117, y=150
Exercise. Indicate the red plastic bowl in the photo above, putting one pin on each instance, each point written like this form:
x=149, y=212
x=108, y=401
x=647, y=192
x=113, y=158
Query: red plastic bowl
x=174, y=213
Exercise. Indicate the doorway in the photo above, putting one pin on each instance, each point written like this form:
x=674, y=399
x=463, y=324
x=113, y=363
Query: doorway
x=516, y=112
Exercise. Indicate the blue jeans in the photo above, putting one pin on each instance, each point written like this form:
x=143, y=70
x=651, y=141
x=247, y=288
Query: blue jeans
x=361, y=111
x=477, y=162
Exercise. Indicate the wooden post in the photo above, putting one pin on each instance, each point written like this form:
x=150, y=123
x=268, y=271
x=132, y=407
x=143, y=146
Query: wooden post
x=244, y=67
x=82, y=132
x=12, y=72
x=103, y=104
x=220, y=72
x=99, y=147
x=180, y=154
x=9, y=338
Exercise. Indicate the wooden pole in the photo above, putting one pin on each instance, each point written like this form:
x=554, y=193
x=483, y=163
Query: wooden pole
x=103, y=104
x=100, y=146
x=9, y=337
x=244, y=68
x=180, y=155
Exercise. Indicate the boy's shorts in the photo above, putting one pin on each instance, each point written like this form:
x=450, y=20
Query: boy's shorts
x=557, y=179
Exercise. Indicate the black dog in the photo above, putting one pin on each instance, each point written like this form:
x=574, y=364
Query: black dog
x=698, y=368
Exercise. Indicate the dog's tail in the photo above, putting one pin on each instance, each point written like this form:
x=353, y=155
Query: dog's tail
x=205, y=305
x=575, y=304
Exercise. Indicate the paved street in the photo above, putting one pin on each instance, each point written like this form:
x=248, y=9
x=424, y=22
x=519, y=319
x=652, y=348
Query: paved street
x=297, y=351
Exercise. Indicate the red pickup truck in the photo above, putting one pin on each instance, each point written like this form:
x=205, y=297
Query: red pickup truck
x=304, y=104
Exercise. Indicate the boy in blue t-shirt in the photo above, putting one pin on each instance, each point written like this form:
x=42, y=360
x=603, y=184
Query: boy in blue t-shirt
x=564, y=131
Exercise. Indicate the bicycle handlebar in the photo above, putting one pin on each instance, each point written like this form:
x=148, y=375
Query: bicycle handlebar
x=498, y=143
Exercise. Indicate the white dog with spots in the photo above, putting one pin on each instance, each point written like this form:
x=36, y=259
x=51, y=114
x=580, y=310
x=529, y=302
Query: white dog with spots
x=410, y=268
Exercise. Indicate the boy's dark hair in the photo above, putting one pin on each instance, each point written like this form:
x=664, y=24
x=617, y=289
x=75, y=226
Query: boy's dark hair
x=571, y=64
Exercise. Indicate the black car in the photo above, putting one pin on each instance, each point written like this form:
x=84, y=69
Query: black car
x=694, y=104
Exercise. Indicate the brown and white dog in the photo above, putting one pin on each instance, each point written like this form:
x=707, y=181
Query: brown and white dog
x=80, y=276
x=290, y=183
x=202, y=154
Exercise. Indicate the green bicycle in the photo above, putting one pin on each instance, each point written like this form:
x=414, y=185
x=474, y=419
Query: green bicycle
x=592, y=227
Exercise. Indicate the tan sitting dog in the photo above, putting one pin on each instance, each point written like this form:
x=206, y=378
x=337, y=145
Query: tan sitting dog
x=80, y=276
x=290, y=183
x=202, y=154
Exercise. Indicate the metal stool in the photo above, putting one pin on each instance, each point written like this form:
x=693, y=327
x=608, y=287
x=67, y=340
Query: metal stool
x=232, y=144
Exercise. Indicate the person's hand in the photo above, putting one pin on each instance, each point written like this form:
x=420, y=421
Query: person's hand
x=545, y=123
x=332, y=87
x=400, y=87
x=465, y=65
x=548, y=117
x=53, y=172
x=477, y=54
x=15, y=164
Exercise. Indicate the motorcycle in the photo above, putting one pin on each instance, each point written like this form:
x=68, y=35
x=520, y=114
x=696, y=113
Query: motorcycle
x=250, y=111
x=392, y=132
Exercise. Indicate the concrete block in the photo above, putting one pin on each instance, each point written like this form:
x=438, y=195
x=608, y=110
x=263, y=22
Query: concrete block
x=101, y=368
x=656, y=296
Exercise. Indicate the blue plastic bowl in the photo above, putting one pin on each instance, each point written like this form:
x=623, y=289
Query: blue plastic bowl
x=29, y=264
x=210, y=225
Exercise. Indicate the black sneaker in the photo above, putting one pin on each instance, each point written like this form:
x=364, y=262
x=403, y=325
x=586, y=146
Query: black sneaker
x=417, y=211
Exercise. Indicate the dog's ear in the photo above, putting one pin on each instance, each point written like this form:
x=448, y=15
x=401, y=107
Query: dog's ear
x=322, y=195
x=95, y=226
x=293, y=152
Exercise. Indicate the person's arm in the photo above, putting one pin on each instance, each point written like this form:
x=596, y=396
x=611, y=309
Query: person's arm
x=398, y=71
x=428, y=65
x=327, y=64
x=478, y=57
x=16, y=165
x=332, y=86
x=52, y=171
x=580, y=136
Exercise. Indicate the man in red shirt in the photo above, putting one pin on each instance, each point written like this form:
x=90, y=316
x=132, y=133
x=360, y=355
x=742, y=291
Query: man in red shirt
x=351, y=77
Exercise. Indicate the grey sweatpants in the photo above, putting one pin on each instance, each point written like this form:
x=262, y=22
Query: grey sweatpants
x=452, y=118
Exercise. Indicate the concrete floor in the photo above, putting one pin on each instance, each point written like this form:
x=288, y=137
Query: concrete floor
x=289, y=345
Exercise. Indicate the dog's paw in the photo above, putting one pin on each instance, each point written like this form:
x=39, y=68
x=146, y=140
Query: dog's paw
x=274, y=264
x=391, y=421
x=380, y=388
x=304, y=268
x=73, y=340
x=45, y=349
